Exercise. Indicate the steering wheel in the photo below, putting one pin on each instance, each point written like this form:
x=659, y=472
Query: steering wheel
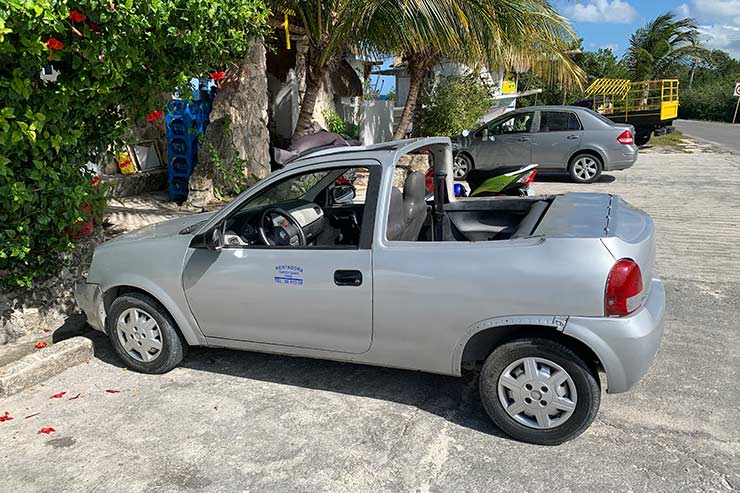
x=288, y=233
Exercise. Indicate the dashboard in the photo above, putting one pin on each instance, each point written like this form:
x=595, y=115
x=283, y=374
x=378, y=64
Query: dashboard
x=243, y=230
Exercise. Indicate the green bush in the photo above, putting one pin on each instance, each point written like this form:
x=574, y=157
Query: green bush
x=116, y=60
x=334, y=122
x=710, y=101
x=452, y=105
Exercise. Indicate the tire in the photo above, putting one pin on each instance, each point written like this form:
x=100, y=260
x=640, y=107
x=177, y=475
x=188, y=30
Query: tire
x=580, y=392
x=462, y=165
x=585, y=168
x=155, y=344
x=642, y=138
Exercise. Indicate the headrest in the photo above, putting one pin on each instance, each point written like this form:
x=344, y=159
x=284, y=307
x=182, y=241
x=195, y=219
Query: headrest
x=414, y=188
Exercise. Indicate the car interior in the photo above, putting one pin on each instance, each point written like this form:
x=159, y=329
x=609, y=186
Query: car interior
x=326, y=209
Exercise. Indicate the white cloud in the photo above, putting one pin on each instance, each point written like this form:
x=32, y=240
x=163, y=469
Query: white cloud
x=682, y=11
x=602, y=11
x=611, y=46
x=719, y=23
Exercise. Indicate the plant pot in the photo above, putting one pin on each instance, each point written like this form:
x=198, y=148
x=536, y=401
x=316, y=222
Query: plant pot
x=82, y=228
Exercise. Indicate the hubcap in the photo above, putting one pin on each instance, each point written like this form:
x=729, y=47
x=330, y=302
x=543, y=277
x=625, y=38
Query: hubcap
x=537, y=393
x=585, y=168
x=460, y=167
x=139, y=335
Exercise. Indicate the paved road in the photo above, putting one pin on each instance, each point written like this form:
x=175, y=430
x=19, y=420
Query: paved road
x=722, y=134
x=228, y=420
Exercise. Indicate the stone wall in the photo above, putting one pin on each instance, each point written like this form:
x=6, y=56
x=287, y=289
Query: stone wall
x=50, y=302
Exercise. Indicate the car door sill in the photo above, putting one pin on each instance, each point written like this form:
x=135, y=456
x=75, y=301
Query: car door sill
x=268, y=347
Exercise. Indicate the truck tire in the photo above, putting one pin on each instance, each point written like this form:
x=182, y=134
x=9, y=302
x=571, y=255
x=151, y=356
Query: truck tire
x=539, y=391
x=642, y=138
x=143, y=334
x=585, y=168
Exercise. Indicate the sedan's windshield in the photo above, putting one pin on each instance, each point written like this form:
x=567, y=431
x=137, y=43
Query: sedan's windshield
x=293, y=188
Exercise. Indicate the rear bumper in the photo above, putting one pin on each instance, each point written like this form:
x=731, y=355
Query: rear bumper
x=89, y=298
x=622, y=159
x=625, y=346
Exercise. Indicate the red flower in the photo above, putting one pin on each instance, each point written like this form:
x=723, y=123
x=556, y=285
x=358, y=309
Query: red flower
x=46, y=329
x=112, y=7
x=154, y=115
x=47, y=431
x=94, y=27
x=57, y=396
x=41, y=345
x=216, y=76
x=95, y=180
x=77, y=16
x=54, y=44
x=6, y=417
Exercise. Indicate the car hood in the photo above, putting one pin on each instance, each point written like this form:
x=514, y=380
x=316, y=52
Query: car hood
x=165, y=229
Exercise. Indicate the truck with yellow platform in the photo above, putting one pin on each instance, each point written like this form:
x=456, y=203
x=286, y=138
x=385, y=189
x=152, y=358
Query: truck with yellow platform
x=650, y=105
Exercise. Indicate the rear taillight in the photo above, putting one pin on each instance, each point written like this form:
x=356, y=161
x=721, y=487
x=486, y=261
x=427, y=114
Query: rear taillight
x=528, y=178
x=623, y=288
x=626, y=138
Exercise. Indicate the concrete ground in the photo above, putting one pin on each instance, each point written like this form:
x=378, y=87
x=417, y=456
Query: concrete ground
x=228, y=420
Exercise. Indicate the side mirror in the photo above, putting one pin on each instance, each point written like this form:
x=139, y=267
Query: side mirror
x=465, y=133
x=343, y=194
x=213, y=239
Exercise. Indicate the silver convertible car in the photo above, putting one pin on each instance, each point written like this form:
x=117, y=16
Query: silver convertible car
x=563, y=138
x=341, y=255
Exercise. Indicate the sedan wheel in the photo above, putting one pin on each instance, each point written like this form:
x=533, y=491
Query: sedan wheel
x=143, y=334
x=539, y=391
x=461, y=167
x=585, y=169
x=139, y=335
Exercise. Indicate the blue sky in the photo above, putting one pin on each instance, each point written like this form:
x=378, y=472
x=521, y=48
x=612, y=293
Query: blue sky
x=609, y=23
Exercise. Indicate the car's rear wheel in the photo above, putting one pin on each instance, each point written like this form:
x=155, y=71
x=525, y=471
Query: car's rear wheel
x=539, y=391
x=461, y=166
x=143, y=334
x=585, y=168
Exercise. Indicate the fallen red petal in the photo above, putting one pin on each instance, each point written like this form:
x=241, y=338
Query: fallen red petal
x=6, y=417
x=75, y=397
x=57, y=396
x=31, y=415
x=46, y=329
x=49, y=430
x=41, y=344
x=111, y=391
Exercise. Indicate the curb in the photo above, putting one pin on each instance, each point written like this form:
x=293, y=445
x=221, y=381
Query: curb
x=44, y=364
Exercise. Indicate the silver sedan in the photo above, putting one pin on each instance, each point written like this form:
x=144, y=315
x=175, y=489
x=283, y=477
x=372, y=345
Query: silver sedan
x=577, y=140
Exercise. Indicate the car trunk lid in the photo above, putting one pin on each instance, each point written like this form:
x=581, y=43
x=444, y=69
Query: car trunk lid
x=627, y=232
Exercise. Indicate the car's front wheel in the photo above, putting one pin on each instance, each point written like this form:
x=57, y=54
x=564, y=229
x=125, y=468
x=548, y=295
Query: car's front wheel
x=143, y=334
x=461, y=166
x=585, y=168
x=539, y=391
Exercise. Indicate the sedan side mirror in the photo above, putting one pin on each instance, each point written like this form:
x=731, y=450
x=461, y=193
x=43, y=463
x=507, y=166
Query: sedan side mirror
x=465, y=133
x=343, y=194
x=213, y=239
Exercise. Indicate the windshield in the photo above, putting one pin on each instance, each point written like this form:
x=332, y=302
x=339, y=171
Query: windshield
x=293, y=188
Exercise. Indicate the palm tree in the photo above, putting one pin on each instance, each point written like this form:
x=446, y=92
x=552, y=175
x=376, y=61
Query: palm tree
x=330, y=27
x=659, y=48
x=502, y=34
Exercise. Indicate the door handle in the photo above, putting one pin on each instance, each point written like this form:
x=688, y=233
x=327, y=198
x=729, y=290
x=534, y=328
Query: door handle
x=572, y=137
x=347, y=277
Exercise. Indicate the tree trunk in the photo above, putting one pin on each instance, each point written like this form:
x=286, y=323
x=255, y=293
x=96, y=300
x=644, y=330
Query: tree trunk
x=314, y=79
x=417, y=71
